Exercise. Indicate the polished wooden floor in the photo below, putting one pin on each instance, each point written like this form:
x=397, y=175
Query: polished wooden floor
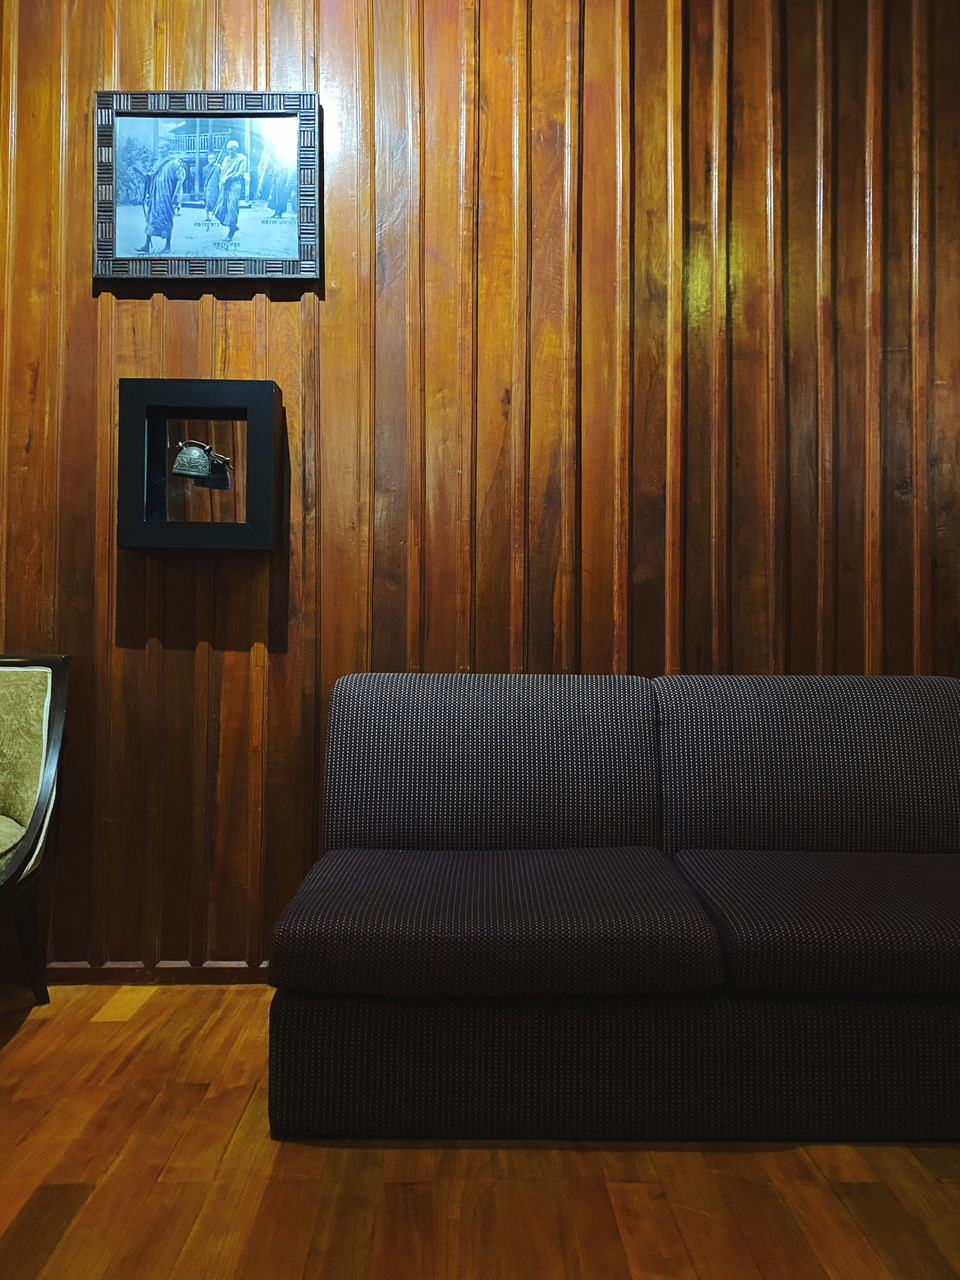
x=134, y=1144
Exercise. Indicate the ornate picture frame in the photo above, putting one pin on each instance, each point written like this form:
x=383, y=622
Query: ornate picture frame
x=205, y=184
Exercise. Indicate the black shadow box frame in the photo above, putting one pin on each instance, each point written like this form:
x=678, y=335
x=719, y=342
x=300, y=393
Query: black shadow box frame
x=144, y=401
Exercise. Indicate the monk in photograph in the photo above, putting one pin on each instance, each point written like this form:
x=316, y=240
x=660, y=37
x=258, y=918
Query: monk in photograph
x=162, y=195
x=211, y=185
x=232, y=175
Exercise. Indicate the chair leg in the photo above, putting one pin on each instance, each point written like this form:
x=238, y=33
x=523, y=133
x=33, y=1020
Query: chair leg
x=34, y=957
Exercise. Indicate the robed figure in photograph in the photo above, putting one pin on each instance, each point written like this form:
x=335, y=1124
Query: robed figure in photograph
x=232, y=174
x=211, y=185
x=162, y=196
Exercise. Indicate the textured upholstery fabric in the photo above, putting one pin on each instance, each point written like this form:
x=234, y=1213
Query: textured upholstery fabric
x=408, y=922
x=824, y=763
x=10, y=833
x=712, y=1067
x=490, y=762
x=440, y=961
x=24, y=709
x=886, y=923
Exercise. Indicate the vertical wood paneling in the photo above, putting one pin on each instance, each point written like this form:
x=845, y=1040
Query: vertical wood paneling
x=777, y=422
x=501, y=210
x=749, y=249
x=442, y=482
x=9, y=43
x=673, y=550
x=520, y=371
x=77, y=428
x=31, y=370
x=635, y=351
x=801, y=158
x=130, y=849
x=393, y=178
x=873, y=341
x=894, y=551
x=9, y=85
x=920, y=277
x=290, y=774
x=720, y=433
x=825, y=347
x=650, y=286
x=944, y=39
x=850, y=322
x=467, y=277
x=551, y=622
x=605, y=338
x=415, y=375
x=182, y=687
x=698, y=411
x=345, y=386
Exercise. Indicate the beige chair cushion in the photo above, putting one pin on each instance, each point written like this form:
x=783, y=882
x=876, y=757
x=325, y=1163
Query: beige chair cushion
x=10, y=833
x=24, y=711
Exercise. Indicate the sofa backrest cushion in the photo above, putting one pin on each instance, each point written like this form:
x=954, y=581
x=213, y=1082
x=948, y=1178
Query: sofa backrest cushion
x=471, y=761
x=828, y=763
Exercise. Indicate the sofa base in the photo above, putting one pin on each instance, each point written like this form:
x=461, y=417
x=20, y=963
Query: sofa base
x=721, y=1066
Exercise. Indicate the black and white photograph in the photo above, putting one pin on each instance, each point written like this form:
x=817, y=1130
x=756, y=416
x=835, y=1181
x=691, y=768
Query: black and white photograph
x=207, y=184
x=205, y=187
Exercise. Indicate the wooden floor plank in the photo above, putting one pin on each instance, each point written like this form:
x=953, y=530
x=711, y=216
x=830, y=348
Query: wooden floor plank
x=842, y=1248
x=217, y=1240
x=623, y=1163
x=38, y=1228
x=408, y=1231
x=138, y=1146
x=529, y=1230
x=942, y=1160
x=593, y=1241
x=841, y=1163
x=921, y=1194
x=779, y=1247
x=96, y=1146
x=649, y=1232
x=711, y=1235
x=164, y=1220
x=54, y=1132
x=342, y=1241
x=124, y=1004
x=740, y=1160
x=899, y=1238
x=14, y=1194
x=281, y=1231
x=202, y=1144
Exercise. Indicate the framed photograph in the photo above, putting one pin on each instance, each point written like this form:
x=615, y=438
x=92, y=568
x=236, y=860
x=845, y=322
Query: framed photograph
x=198, y=463
x=207, y=185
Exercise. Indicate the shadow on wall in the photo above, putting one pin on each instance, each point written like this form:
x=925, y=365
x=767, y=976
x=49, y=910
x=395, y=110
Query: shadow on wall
x=187, y=598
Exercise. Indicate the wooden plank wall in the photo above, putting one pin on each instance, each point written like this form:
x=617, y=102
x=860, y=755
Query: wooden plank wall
x=637, y=351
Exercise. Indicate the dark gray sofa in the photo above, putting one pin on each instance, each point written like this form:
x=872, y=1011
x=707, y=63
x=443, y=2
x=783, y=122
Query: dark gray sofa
x=601, y=907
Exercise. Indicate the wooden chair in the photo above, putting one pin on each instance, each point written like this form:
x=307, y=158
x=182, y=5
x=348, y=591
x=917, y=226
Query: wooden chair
x=33, y=701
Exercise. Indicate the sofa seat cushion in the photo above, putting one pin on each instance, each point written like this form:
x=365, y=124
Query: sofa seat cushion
x=517, y=922
x=884, y=924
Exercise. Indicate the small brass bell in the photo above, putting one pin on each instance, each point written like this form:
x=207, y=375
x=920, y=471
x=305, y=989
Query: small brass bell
x=200, y=464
